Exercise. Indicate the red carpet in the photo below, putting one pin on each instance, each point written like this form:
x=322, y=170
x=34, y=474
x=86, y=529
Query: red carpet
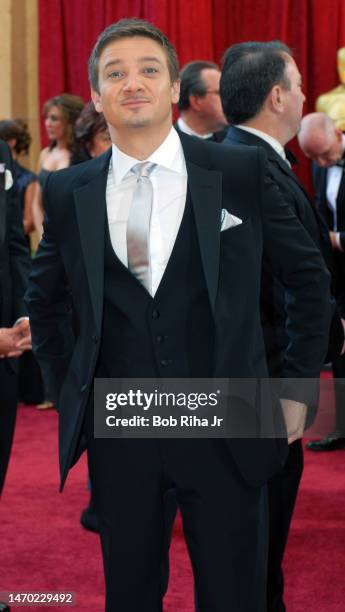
x=43, y=547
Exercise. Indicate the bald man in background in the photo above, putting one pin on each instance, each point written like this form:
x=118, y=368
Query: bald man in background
x=324, y=143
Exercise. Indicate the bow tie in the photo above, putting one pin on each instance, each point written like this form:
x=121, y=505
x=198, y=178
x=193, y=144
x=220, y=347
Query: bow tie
x=290, y=157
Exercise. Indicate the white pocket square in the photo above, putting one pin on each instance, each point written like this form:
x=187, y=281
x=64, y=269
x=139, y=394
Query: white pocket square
x=8, y=177
x=228, y=220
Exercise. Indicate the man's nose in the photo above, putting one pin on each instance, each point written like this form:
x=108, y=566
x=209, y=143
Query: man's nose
x=133, y=82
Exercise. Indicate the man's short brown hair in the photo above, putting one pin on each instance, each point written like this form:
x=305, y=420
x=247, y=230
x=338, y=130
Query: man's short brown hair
x=127, y=28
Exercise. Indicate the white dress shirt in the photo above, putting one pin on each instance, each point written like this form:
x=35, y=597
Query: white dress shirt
x=334, y=176
x=275, y=144
x=169, y=181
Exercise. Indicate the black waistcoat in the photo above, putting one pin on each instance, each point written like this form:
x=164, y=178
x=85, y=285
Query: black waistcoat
x=170, y=335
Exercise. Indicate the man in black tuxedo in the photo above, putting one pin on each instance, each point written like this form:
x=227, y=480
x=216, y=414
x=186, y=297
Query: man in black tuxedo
x=167, y=293
x=201, y=112
x=14, y=271
x=324, y=143
x=262, y=99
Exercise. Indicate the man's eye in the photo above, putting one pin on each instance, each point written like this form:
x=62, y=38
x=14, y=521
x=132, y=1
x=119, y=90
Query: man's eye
x=151, y=70
x=116, y=74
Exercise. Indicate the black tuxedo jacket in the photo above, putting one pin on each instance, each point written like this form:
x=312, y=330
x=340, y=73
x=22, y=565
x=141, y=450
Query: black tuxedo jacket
x=273, y=293
x=67, y=281
x=320, y=184
x=14, y=256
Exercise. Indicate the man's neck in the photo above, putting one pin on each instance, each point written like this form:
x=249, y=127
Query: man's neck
x=272, y=128
x=195, y=123
x=139, y=143
x=274, y=144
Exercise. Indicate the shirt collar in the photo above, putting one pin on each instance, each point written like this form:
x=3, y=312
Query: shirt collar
x=271, y=141
x=169, y=155
x=184, y=127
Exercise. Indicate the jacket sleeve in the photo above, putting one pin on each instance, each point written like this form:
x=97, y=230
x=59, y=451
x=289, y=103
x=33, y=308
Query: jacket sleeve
x=299, y=266
x=49, y=304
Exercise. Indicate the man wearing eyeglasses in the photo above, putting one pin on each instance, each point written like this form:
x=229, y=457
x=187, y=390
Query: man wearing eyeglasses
x=201, y=112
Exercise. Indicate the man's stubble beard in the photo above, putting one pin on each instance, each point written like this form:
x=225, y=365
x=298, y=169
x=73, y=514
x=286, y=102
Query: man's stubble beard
x=137, y=122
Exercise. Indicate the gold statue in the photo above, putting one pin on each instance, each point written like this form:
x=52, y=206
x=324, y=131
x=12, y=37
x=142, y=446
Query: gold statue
x=333, y=102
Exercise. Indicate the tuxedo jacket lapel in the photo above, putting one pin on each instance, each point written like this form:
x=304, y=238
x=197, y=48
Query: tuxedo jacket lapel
x=205, y=187
x=275, y=157
x=90, y=205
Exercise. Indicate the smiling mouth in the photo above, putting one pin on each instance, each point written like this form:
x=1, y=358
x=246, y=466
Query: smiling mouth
x=135, y=102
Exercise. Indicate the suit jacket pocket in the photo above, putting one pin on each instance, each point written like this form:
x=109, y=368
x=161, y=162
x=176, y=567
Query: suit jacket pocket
x=240, y=259
x=240, y=236
x=236, y=229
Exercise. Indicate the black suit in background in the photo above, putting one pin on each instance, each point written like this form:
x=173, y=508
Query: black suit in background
x=14, y=271
x=282, y=488
x=124, y=332
x=338, y=365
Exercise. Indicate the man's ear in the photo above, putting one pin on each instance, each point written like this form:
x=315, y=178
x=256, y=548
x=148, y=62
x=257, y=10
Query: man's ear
x=96, y=99
x=194, y=102
x=175, y=91
x=276, y=98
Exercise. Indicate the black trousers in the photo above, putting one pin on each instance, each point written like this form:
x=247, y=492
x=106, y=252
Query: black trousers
x=30, y=382
x=338, y=367
x=8, y=410
x=224, y=519
x=282, y=493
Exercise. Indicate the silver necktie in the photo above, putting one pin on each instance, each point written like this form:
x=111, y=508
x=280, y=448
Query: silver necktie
x=138, y=225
